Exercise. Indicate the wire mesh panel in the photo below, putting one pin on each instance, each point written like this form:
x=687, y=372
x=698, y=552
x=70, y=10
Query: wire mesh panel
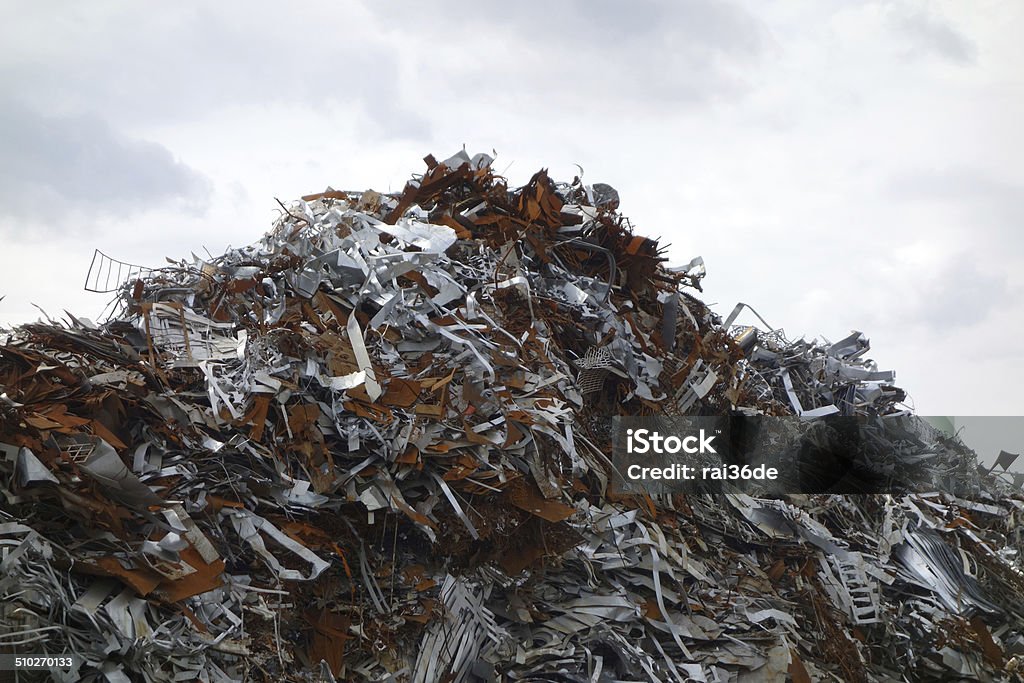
x=78, y=453
x=593, y=369
x=108, y=274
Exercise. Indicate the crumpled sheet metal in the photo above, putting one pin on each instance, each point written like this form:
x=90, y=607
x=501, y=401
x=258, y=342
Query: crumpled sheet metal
x=373, y=446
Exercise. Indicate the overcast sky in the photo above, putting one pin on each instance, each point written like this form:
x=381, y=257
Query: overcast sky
x=838, y=165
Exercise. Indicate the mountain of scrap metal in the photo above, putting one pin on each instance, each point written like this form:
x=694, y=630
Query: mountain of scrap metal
x=374, y=445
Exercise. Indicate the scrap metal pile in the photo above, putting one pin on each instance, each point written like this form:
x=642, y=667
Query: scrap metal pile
x=374, y=445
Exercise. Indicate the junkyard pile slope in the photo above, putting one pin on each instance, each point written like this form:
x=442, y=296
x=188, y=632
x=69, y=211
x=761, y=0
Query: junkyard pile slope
x=376, y=443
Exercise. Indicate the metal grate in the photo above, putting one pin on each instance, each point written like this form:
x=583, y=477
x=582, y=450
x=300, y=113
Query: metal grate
x=78, y=453
x=593, y=369
x=108, y=274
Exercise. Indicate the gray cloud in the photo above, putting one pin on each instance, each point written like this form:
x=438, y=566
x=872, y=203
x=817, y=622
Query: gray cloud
x=953, y=181
x=636, y=56
x=981, y=201
x=161, y=64
x=699, y=25
x=930, y=33
x=398, y=64
x=962, y=296
x=58, y=165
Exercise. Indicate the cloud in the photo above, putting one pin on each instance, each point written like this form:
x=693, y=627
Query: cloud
x=406, y=68
x=53, y=165
x=705, y=27
x=930, y=33
x=145, y=64
x=953, y=181
x=961, y=295
x=987, y=207
x=635, y=57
